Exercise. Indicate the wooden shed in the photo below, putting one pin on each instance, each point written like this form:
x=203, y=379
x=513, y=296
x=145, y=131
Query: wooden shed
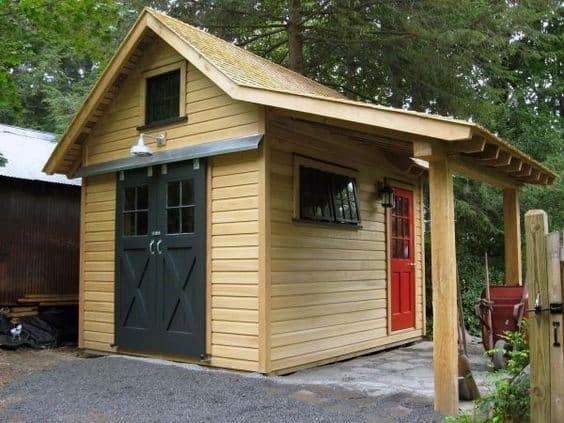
x=234, y=211
x=39, y=220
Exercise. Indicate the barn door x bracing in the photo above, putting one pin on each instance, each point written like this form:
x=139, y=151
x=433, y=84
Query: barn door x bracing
x=402, y=261
x=160, y=261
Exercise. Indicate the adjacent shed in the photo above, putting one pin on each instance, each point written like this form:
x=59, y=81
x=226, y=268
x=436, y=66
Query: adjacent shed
x=240, y=214
x=39, y=220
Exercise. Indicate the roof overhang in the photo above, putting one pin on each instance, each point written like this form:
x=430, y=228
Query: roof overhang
x=389, y=120
x=169, y=156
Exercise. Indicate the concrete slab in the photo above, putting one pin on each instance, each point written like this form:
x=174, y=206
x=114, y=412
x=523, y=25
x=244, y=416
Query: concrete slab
x=404, y=370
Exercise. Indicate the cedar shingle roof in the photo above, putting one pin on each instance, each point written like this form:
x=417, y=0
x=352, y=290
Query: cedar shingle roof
x=243, y=67
x=247, y=77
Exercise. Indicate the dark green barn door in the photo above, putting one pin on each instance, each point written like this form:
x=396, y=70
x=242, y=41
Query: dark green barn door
x=136, y=289
x=161, y=273
x=182, y=268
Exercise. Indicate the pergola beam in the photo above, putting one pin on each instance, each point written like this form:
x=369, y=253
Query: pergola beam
x=515, y=165
x=503, y=160
x=525, y=172
x=491, y=152
x=490, y=176
x=475, y=145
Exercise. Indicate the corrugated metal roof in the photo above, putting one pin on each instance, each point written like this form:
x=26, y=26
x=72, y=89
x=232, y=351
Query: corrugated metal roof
x=27, y=151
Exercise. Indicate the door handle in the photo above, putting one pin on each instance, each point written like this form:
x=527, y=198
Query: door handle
x=151, y=244
x=556, y=326
x=159, y=242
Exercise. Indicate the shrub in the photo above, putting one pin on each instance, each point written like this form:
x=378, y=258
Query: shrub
x=509, y=402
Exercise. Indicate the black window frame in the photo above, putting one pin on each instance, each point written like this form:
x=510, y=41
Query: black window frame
x=135, y=211
x=149, y=105
x=180, y=206
x=330, y=181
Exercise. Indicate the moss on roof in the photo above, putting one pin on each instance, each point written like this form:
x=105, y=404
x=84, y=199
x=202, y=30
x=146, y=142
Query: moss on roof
x=242, y=66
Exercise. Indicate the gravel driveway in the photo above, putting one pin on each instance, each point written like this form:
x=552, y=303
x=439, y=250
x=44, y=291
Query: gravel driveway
x=126, y=389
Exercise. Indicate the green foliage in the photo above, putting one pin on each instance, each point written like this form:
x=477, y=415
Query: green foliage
x=51, y=54
x=500, y=63
x=510, y=401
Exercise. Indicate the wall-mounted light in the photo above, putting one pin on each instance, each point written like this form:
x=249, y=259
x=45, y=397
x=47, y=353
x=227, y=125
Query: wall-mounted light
x=142, y=150
x=386, y=194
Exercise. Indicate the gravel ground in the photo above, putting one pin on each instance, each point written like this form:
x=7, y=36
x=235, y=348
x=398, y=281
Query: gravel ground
x=126, y=389
x=23, y=361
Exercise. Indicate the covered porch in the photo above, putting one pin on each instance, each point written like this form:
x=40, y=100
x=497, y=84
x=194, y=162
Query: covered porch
x=486, y=158
x=480, y=155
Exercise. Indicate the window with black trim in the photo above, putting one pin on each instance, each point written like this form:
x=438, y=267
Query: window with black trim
x=136, y=210
x=162, y=98
x=180, y=207
x=328, y=197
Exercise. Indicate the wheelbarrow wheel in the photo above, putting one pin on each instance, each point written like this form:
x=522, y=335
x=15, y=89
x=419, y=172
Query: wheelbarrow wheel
x=499, y=355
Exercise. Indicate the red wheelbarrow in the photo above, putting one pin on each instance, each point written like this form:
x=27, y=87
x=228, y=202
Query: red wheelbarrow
x=502, y=312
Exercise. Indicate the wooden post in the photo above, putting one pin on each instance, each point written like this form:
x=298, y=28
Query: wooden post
x=512, y=231
x=443, y=258
x=554, y=247
x=536, y=229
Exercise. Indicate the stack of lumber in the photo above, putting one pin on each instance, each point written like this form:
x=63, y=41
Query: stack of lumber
x=20, y=311
x=49, y=300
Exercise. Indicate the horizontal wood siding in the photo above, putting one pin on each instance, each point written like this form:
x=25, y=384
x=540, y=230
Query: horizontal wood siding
x=235, y=260
x=329, y=285
x=212, y=114
x=98, y=262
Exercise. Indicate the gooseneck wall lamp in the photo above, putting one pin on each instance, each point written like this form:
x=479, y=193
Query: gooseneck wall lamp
x=140, y=149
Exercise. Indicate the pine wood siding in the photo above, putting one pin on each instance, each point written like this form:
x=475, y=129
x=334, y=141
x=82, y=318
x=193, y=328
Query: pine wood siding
x=97, y=262
x=212, y=114
x=329, y=285
x=232, y=213
x=235, y=260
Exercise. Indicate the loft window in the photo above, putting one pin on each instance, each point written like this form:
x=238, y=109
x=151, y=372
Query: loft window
x=162, y=99
x=327, y=197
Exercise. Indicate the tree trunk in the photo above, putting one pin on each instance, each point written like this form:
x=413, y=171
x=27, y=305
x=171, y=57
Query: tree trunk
x=295, y=37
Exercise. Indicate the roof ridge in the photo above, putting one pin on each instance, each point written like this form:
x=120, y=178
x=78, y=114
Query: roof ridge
x=233, y=45
x=28, y=132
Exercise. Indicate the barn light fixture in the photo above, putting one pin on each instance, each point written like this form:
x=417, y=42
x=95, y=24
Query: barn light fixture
x=386, y=194
x=142, y=150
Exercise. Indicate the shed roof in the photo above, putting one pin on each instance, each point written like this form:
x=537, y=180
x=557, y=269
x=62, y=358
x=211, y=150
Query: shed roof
x=247, y=77
x=26, y=151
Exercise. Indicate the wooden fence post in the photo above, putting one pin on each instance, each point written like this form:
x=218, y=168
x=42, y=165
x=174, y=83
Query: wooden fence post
x=536, y=229
x=555, y=260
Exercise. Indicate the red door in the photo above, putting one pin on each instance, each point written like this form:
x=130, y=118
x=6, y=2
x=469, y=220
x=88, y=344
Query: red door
x=402, y=261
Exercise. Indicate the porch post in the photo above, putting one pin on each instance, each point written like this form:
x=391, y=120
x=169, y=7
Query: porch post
x=443, y=255
x=512, y=233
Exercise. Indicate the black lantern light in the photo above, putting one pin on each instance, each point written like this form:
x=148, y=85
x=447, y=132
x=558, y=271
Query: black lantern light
x=386, y=194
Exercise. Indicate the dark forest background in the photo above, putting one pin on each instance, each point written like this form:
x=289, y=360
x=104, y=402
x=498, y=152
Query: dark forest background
x=499, y=63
